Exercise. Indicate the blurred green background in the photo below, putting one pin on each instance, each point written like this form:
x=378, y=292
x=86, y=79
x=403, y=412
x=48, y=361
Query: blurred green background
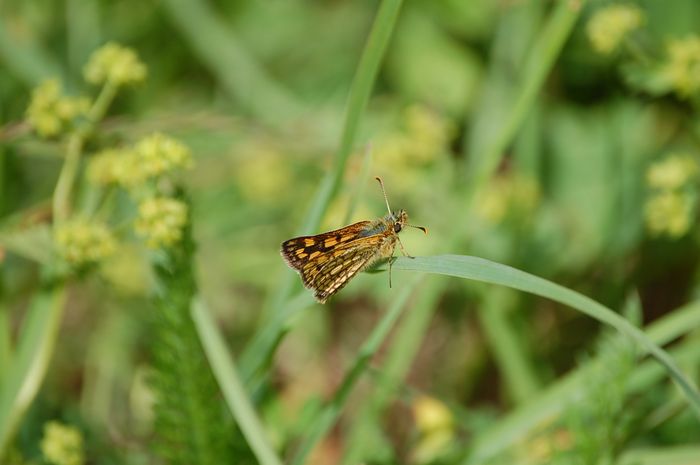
x=595, y=188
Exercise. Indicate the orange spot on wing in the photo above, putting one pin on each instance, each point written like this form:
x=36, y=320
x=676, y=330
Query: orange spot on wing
x=314, y=255
x=330, y=242
x=308, y=242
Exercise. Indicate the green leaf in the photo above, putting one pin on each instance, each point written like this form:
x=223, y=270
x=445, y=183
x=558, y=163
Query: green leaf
x=478, y=269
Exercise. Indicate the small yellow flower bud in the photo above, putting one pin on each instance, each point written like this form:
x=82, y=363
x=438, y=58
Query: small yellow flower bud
x=62, y=444
x=116, y=64
x=669, y=213
x=159, y=154
x=609, y=26
x=682, y=70
x=673, y=172
x=435, y=425
x=106, y=167
x=81, y=241
x=431, y=414
x=161, y=220
x=50, y=113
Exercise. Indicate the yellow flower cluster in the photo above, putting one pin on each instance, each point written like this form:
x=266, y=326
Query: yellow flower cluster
x=155, y=155
x=508, y=195
x=159, y=154
x=161, y=220
x=682, y=69
x=668, y=213
x=669, y=210
x=674, y=172
x=81, y=241
x=62, y=444
x=115, y=64
x=435, y=425
x=50, y=113
x=609, y=26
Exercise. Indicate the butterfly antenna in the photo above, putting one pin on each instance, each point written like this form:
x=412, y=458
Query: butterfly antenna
x=386, y=199
x=425, y=230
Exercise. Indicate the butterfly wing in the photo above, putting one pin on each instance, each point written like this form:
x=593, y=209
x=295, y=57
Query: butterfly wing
x=298, y=251
x=345, y=263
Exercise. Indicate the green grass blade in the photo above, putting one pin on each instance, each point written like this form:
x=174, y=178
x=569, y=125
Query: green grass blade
x=329, y=414
x=27, y=369
x=231, y=386
x=525, y=421
x=479, y=269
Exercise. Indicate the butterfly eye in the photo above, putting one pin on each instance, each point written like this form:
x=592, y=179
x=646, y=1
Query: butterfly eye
x=397, y=227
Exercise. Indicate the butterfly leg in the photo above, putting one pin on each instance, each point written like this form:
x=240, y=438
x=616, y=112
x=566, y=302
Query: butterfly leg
x=391, y=261
x=403, y=251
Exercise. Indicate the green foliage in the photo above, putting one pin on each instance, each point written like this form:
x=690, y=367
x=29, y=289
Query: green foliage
x=154, y=155
x=189, y=419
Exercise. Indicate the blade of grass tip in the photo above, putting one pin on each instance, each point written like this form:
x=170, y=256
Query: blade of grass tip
x=231, y=386
x=539, y=62
x=27, y=369
x=516, y=425
x=358, y=98
x=360, y=185
x=217, y=46
x=479, y=269
x=329, y=414
x=408, y=337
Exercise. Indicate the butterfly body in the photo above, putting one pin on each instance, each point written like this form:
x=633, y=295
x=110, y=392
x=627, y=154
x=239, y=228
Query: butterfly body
x=326, y=262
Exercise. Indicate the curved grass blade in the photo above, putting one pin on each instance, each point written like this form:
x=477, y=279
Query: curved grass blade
x=479, y=269
x=231, y=386
x=521, y=422
x=30, y=361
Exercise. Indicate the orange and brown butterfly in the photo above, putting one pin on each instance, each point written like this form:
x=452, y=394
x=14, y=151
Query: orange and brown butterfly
x=327, y=261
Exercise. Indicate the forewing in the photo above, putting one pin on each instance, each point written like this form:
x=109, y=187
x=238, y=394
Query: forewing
x=299, y=251
x=343, y=265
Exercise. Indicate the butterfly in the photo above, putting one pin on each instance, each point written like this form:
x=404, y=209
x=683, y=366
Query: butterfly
x=326, y=262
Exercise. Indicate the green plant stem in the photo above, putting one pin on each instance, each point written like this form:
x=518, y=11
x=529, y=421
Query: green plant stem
x=479, y=269
x=259, y=351
x=329, y=414
x=231, y=386
x=69, y=171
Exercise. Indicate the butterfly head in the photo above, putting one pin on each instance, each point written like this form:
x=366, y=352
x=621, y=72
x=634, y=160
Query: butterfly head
x=399, y=220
